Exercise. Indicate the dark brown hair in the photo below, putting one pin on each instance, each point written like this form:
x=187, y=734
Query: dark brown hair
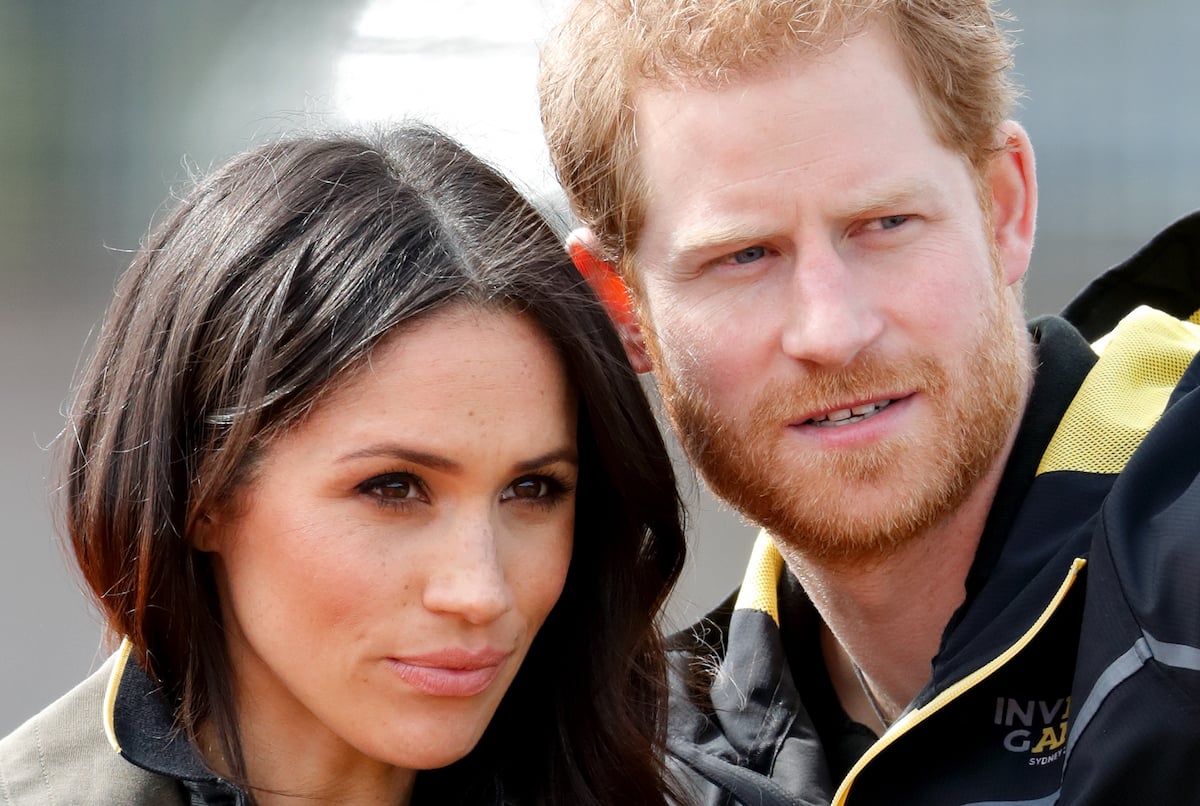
x=269, y=283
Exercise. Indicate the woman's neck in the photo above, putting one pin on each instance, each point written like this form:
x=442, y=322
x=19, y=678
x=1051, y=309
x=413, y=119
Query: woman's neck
x=307, y=770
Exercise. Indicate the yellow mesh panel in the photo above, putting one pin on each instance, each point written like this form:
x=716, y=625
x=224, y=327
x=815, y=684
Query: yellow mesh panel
x=1195, y=318
x=1125, y=393
x=758, y=590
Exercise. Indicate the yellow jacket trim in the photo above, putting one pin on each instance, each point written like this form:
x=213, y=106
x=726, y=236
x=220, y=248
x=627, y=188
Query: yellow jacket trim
x=110, y=693
x=918, y=715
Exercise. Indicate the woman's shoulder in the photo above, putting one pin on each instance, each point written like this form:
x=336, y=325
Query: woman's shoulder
x=62, y=756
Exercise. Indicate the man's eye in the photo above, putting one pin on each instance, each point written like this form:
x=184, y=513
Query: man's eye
x=892, y=221
x=749, y=254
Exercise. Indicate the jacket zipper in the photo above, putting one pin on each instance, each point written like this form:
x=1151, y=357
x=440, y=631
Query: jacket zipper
x=918, y=715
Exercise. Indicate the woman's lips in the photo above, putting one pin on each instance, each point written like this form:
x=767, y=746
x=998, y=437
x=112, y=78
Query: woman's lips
x=450, y=672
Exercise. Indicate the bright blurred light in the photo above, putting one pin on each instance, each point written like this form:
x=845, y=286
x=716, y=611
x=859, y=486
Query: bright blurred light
x=466, y=66
x=402, y=20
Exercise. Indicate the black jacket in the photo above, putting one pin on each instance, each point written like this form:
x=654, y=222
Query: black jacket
x=1071, y=673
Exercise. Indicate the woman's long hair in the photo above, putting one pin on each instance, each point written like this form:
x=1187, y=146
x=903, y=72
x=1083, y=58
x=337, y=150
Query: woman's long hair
x=270, y=281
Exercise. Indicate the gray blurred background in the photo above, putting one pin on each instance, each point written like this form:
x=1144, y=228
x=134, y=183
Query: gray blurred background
x=106, y=107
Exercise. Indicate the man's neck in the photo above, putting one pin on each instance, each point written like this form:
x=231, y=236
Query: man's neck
x=883, y=621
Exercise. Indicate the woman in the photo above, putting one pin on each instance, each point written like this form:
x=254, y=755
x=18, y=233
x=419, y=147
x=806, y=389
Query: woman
x=360, y=474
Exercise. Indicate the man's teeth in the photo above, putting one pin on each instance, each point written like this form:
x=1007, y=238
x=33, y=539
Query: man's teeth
x=851, y=415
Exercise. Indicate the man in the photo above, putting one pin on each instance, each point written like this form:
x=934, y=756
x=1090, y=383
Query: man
x=979, y=574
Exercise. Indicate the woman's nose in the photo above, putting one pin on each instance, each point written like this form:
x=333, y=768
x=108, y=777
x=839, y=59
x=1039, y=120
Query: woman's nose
x=468, y=578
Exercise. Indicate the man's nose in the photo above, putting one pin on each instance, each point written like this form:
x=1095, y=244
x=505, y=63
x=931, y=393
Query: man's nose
x=468, y=579
x=830, y=315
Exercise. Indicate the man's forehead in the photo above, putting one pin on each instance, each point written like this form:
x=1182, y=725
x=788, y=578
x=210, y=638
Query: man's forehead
x=678, y=99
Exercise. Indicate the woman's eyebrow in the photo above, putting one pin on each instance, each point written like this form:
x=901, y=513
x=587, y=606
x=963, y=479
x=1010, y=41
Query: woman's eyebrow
x=391, y=450
x=566, y=454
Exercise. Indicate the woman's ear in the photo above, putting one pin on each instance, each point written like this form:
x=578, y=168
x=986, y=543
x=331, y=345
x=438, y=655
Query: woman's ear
x=614, y=294
x=205, y=532
x=1013, y=184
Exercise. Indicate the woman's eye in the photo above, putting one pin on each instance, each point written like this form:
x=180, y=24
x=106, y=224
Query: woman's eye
x=533, y=488
x=527, y=488
x=393, y=487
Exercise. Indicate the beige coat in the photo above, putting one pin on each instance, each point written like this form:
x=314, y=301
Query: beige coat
x=63, y=757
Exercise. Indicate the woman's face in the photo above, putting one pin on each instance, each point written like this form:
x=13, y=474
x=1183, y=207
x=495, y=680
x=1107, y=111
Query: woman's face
x=383, y=575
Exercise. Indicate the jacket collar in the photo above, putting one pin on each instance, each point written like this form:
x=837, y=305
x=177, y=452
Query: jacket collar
x=141, y=727
x=1163, y=274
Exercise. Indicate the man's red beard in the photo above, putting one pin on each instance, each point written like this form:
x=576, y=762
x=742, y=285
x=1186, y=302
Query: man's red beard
x=846, y=506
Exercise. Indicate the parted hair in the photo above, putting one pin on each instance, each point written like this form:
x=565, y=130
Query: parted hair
x=605, y=51
x=268, y=284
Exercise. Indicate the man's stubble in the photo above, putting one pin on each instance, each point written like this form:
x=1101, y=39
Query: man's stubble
x=859, y=504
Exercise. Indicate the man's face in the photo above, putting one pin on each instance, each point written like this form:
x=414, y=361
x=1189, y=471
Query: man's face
x=835, y=334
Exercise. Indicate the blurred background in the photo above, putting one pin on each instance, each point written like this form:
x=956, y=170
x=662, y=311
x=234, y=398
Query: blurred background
x=106, y=108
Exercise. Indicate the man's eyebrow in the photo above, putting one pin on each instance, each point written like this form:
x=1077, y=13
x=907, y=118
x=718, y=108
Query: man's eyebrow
x=706, y=239
x=893, y=196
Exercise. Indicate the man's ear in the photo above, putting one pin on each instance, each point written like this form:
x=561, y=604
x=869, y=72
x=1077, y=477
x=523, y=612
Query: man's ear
x=602, y=276
x=1013, y=183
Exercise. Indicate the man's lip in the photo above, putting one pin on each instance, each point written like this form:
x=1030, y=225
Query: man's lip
x=808, y=417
